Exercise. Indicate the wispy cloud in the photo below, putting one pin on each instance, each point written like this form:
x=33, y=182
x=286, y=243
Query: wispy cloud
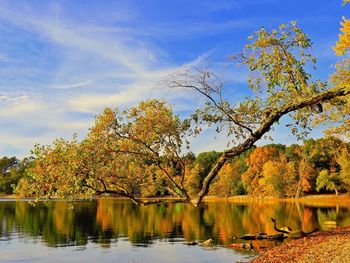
x=94, y=68
x=72, y=85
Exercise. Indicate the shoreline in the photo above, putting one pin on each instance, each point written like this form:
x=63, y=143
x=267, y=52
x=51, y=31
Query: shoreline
x=323, y=246
x=309, y=200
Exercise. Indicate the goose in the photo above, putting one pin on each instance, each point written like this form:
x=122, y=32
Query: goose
x=285, y=229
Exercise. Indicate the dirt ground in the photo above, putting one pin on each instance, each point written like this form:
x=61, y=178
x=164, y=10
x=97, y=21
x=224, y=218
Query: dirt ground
x=321, y=247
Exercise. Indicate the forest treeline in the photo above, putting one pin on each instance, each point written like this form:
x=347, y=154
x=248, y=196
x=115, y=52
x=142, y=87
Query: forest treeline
x=276, y=170
x=316, y=166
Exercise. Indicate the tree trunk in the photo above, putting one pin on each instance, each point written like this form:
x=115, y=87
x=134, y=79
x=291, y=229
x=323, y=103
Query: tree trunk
x=297, y=195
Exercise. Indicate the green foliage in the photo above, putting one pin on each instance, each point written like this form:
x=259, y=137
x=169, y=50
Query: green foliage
x=237, y=186
x=11, y=171
x=206, y=160
x=344, y=162
x=6, y=164
x=279, y=56
x=322, y=152
x=326, y=181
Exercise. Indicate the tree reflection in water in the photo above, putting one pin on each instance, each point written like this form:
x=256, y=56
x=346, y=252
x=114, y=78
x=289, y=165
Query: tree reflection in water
x=104, y=221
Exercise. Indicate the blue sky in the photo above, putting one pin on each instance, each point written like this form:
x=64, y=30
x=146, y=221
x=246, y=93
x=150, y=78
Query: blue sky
x=62, y=62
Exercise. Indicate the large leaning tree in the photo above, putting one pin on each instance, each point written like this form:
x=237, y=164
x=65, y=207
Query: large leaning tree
x=138, y=152
x=135, y=153
x=278, y=63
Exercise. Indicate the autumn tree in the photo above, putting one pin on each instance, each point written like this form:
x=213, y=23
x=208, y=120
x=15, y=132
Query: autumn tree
x=343, y=44
x=307, y=176
x=252, y=178
x=344, y=162
x=270, y=173
x=278, y=61
x=279, y=178
x=228, y=181
x=297, y=160
x=192, y=178
x=337, y=112
x=134, y=153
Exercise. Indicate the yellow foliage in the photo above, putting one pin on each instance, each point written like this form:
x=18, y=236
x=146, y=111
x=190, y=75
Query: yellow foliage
x=192, y=180
x=223, y=186
x=344, y=161
x=343, y=45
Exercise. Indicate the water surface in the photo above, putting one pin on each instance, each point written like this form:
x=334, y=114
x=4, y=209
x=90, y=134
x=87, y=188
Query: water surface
x=111, y=230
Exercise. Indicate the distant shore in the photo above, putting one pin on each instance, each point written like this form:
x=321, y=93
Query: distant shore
x=304, y=199
x=310, y=199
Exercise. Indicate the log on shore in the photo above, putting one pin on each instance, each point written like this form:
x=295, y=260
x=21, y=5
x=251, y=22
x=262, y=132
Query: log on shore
x=263, y=236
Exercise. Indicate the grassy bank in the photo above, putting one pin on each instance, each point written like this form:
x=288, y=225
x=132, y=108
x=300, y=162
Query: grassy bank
x=310, y=199
x=318, y=200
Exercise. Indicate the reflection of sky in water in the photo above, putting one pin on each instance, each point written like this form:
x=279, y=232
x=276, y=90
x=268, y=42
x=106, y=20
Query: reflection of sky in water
x=110, y=230
x=27, y=251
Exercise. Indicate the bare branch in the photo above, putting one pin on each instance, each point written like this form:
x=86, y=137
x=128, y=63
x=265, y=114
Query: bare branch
x=206, y=90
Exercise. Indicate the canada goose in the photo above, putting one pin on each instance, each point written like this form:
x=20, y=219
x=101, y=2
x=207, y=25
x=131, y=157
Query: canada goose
x=285, y=229
x=291, y=234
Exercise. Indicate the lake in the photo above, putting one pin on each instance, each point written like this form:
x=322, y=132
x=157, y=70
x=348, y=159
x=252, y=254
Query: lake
x=112, y=230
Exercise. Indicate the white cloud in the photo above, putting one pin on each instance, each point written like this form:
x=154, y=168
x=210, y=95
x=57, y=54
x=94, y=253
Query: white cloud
x=72, y=85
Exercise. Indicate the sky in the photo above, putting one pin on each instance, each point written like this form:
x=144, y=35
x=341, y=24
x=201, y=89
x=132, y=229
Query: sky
x=62, y=62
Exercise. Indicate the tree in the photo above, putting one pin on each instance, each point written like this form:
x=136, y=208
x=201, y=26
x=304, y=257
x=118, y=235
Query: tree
x=307, y=173
x=11, y=171
x=192, y=178
x=297, y=157
x=135, y=153
x=206, y=160
x=338, y=110
x=228, y=181
x=254, y=174
x=6, y=164
x=343, y=44
x=327, y=181
x=279, y=178
x=277, y=60
x=344, y=162
x=270, y=173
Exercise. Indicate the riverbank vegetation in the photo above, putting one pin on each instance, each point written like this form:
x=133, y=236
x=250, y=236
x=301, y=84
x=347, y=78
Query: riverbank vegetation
x=314, y=167
x=11, y=171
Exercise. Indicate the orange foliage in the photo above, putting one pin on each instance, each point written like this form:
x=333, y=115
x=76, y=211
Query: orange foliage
x=255, y=162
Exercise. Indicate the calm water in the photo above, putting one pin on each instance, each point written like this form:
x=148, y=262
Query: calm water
x=118, y=231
